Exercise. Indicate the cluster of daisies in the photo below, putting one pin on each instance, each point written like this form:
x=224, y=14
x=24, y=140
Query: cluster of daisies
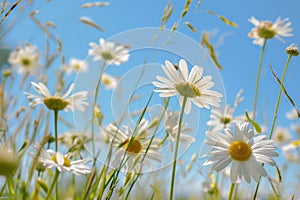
x=231, y=140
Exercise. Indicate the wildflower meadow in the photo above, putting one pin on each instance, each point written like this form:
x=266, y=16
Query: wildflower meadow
x=149, y=99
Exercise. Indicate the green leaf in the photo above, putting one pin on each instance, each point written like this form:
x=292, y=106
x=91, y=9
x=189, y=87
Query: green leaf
x=205, y=42
x=222, y=18
x=228, y=22
x=189, y=25
x=254, y=124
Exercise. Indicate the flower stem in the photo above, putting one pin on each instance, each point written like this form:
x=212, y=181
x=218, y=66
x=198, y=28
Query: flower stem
x=55, y=129
x=176, y=149
x=94, y=105
x=52, y=185
x=276, y=111
x=231, y=191
x=258, y=77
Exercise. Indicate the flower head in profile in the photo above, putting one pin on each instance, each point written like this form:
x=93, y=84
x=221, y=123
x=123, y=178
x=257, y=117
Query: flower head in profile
x=244, y=149
x=26, y=59
x=57, y=101
x=267, y=30
x=281, y=136
x=291, y=151
x=171, y=120
x=292, y=50
x=61, y=162
x=194, y=86
x=110, y=52
x=75, y=65
x=292, y=114
x=109, y=81
x=131, y=146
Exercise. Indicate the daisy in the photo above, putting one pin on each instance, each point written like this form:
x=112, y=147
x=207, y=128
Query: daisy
x=266, y=30
x=25, y=58
x=109, y=81
x=57, y=101
x=194, y=87
x=292, y=114
x=292, y=50
x=292, y=151
x=62, y=162
x=243, y=149
x=220, y=119
x=133, y=145
x=282, y=136
x=110, y=52
x=171, y=120
x=75, y=65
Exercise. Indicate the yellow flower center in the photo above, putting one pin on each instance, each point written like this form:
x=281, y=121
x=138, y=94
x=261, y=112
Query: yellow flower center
x=67, y=162
x=296, y=143
x=55, y=103
x=240, y=151
x=132, y=145
x=225, y=120
x=266, y=30
x=77, y=67
x=187, y=89
x=107, y=55
x=106, y=81
x=25, y=62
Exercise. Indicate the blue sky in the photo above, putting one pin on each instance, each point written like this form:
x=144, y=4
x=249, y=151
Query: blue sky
x=236, y=53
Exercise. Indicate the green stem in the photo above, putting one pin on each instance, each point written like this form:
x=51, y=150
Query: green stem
x=231, y=191
x=11, y=187
x=258, y=77
x=55, y=129
x=52, y=185
x=276, y=111
x=176, y=149
x=279, y=95
x=94, y=105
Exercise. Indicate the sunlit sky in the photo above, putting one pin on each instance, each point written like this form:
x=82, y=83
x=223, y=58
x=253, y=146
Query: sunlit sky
x=236, y=53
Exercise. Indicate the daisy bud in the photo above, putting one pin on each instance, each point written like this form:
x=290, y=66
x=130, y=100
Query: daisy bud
x=292, y=50
x=43, y=184
x=8, y=161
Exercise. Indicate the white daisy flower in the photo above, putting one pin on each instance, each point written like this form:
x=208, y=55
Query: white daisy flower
x=62, y=162
x=133, y=145
x=75, y=65
x=57, y=101
x=245, y=150
x=26, y=59
x=292, y=114
x=171, y=120
x=282, y=135
x=291, y=151
x=111, y=52
x=221, y=119
x=195, y=87
x=109, y=81
x=267, y=30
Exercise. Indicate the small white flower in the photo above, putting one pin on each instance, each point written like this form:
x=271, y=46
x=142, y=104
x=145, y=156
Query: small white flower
x=75, y=65
x=291, y=151
x=221, y=119
x=62, y=162
x=133, y=146
x=193, y=86
x=110, y=52
x=171, y=120
x=267, y=30
x=57, y=101
x=26, y=59
x=281, y=136
x=292, y=50
x=292, y=114
x=109, y=81
x=243, y=149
